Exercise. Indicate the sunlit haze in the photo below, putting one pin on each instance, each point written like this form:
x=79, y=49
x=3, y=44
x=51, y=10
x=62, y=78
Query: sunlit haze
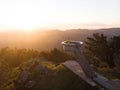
x=30, y=15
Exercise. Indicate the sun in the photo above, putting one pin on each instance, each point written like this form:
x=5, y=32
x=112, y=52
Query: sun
x=28, y=30
x=24, y=26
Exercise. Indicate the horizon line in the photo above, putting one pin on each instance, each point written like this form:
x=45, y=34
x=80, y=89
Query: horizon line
x=37, y=30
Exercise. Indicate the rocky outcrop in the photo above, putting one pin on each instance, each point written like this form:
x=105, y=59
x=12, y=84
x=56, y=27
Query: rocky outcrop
x=31, y=73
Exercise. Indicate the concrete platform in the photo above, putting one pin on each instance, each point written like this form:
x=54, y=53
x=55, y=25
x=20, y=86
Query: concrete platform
x=77, y=69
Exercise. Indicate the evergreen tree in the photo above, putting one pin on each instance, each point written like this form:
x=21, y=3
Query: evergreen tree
x=115, y=49
x=98, y=50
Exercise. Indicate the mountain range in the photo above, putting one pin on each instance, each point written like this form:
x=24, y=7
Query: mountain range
x=47, y=40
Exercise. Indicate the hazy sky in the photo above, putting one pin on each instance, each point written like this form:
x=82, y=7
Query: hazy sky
x=32, y=14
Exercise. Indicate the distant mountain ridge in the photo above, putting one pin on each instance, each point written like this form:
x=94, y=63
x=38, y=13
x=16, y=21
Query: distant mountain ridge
x=47, y=40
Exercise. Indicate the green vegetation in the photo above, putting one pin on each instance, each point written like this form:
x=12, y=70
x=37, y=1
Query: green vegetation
x=36, y=74
x=102, y=49
x=27, y=69
x=104, y=54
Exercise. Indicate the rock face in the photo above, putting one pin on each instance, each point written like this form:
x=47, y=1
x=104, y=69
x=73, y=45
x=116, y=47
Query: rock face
x=30, y=74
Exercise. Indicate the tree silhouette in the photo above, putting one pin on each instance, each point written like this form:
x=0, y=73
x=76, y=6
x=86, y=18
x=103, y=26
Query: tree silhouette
x=115, y=48
x=99, y=50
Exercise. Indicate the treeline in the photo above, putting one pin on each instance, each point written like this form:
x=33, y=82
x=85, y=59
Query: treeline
x=104, y=54
x=14, y=57
x=102, y=50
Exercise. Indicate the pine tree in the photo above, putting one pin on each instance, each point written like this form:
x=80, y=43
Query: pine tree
x=98, y=50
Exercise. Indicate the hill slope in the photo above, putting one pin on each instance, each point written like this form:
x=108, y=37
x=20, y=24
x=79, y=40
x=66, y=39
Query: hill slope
x=47, y=40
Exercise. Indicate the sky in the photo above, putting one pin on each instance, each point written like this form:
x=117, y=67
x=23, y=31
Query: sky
x=58, y=14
